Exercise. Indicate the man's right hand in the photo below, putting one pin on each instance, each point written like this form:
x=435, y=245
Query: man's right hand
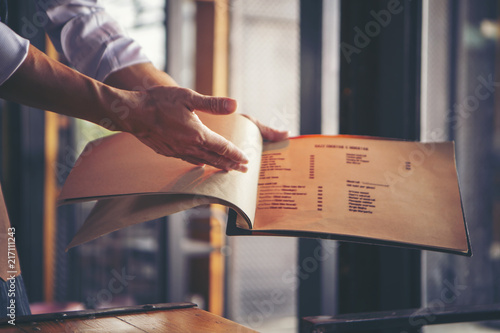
x=167, y=123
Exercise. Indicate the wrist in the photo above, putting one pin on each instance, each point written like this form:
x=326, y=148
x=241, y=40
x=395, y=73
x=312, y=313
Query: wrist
x=128, y=110
x=118, y=106
x=139, y=77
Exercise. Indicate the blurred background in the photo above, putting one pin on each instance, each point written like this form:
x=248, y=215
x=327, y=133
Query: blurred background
x=416, y=70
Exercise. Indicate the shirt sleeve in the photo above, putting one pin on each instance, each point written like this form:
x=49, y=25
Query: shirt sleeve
x=90, y=38
x=13, y=51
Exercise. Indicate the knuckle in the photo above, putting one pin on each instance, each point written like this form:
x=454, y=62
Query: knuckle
x=187, y=94
x=224, y=150
x=191, y=98
x=199, y=140
x=190, y=151
x=214, y=104
x=219, y=161
x=176, y=96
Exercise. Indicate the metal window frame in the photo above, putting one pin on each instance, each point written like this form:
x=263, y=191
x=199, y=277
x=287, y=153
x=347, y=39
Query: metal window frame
x=379, y=278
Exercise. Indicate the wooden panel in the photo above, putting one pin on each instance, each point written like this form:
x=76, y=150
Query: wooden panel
x=122, y=320
x=50, y=192
x=183, y=320
x=11, y=329
x=217, y=260
x=205, y=16
x=107, y=324
x=212, y=35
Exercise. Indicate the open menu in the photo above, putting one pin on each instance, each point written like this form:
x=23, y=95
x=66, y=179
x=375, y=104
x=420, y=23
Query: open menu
x=351, y=188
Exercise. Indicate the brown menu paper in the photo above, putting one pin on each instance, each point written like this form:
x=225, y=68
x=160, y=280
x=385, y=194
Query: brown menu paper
x=352, y=188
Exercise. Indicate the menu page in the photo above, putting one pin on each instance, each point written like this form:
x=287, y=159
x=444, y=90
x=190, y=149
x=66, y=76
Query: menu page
x=134, y=184
x=382, y=189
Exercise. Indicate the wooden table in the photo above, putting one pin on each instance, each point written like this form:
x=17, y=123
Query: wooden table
x=168, y=317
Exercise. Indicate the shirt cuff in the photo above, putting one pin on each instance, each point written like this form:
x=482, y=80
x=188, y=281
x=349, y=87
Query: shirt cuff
x=13, y=51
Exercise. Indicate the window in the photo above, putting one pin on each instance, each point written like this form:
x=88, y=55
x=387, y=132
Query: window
x=137, y=252
x=416, y=70
x=264, y=78
x=460, y=103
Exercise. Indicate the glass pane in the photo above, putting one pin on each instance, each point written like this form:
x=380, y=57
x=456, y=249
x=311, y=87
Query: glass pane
x=459, y=97
x=264, y=63
x=143, y=20
x=124, y=267
x=264, y=78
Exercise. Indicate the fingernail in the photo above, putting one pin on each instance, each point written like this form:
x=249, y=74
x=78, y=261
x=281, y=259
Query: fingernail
x=246, y=159
x=241, y=168
x=237, y=167
x=286, y=132
x=230, y=105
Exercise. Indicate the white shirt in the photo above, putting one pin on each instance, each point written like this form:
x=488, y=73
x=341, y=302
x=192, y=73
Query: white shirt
x=80, y=29
x=13, y=51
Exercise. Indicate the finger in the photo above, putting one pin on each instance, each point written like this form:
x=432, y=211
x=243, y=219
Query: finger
x=214, y=105
x=223, y=163
x=269, y=133
x=216, y=160
x=163, y=150
x=194, y=161
x=218, y=144
x=201, y=157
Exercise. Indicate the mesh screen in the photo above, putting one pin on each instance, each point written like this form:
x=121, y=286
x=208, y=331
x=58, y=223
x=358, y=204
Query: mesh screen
x=264, y=78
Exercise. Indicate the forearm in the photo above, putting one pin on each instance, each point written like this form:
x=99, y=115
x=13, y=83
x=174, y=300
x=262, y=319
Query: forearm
x=139, y=77
x=46, y=84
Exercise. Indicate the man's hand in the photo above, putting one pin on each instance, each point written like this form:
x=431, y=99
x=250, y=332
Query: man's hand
x=167, y=123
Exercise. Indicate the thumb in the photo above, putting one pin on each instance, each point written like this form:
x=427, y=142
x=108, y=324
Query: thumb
x=213, y=105
x=268, y=133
